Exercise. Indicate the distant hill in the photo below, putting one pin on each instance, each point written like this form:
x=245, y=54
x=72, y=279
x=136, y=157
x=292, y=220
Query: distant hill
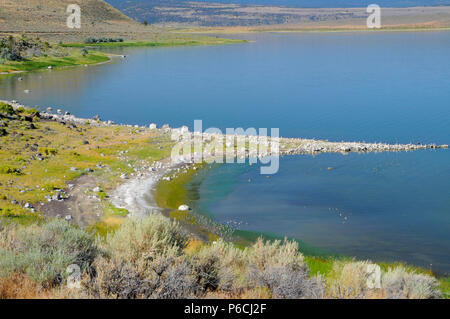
x=329, y=3
x=50, y=16
x=317, y=13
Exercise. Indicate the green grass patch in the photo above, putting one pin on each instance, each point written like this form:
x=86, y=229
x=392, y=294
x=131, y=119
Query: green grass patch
x=445, y=287
x=116, y=211
x=162, y=43
x=10, y=170
x=17, y=215
x=319, y=265
x=182, y=216
x=111, y=220
x=6, y=109
x=73, y=59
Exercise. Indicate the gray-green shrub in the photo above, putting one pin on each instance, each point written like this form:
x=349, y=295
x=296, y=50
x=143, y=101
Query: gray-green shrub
x=146, y=239
x=398, y=283
x=220, y=266
x=280, y=267
x=348, y=279
x=44, y=252
x=144, y=259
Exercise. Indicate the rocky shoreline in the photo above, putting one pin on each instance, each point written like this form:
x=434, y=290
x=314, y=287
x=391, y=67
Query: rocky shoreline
x=135, y=193
x=287, y=146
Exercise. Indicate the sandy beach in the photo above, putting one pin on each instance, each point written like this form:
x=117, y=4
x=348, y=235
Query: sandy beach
x=136, y=194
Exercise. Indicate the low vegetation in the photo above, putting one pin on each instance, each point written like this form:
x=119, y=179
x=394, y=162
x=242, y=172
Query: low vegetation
x=102, y=40
x=43, y=252
x=18, y=49
x=152, y=258
x=181, y=41
x=27, y=54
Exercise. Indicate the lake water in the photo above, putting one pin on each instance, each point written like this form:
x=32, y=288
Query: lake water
x=390, y=87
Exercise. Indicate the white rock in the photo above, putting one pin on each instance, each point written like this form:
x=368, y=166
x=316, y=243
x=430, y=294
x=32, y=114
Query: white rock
x=184, y=129
x=183, y=208
x=152, y=126
x=68, y=217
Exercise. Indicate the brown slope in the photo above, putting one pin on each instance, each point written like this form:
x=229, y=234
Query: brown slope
x=49, y=17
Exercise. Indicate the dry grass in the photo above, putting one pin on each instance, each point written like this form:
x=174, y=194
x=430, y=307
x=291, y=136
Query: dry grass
x=18, y=286
x=348, y=280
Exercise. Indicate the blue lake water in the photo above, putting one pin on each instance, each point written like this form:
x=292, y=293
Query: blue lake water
x=390, y=87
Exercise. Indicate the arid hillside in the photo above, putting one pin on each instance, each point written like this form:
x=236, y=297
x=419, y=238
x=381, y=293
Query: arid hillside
x=47, y=18
x=51, y=15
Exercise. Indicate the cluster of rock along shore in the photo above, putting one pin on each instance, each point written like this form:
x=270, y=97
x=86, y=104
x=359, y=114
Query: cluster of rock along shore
x=287, y=146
